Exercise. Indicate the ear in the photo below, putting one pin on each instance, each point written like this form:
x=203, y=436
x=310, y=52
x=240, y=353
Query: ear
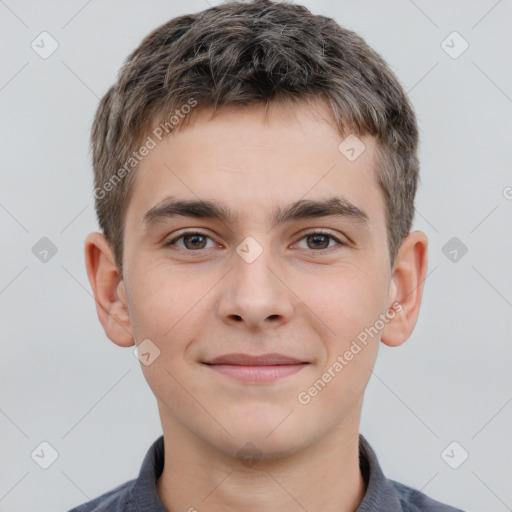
x=108, y=289
x=406, y=289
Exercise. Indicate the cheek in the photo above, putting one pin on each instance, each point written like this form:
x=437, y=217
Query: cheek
x=350, y=306
x=166, y=310
x=165, y=304
x=348, y=301
x=153, y=308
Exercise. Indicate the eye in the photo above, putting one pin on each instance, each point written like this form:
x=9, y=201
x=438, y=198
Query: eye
x=191, y=240
x=319, y=239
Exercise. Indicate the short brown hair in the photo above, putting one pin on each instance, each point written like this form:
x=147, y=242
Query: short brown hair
x=241, y=53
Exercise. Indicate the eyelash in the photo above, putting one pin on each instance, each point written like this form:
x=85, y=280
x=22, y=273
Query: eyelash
x=311, y=233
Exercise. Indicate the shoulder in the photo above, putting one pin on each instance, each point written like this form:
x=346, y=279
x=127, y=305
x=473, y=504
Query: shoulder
x=116, y=500
x=413, y=500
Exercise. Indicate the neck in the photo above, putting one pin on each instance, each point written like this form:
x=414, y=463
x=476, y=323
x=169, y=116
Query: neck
x=323, y=476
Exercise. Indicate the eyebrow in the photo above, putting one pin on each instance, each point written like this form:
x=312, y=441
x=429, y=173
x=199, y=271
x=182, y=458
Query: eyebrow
x=302, y=209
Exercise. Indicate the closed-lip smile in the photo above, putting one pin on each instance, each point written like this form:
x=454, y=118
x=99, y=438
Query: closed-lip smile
x=256, y=369
x=248, y=360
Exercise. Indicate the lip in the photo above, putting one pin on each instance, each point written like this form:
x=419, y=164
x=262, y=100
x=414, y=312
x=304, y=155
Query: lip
x=248, y=360
x=256, y=369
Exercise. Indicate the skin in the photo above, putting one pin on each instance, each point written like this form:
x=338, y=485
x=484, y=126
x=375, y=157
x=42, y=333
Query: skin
x=198, y=303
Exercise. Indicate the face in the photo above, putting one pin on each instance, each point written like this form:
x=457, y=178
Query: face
x=303, y=284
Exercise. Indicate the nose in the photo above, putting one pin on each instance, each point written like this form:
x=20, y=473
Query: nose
x=255, y=291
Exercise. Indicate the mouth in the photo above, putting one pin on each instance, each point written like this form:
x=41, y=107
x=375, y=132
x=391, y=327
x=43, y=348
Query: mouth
x=256, y=369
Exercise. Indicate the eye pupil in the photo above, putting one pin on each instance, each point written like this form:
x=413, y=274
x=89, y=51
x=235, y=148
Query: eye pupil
x=194, y=243
x=316, y=237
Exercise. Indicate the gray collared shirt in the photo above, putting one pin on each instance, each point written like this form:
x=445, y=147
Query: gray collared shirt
x=382, y=494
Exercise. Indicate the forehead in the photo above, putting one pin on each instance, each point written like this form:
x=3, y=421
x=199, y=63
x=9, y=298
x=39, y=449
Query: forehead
x=255, y=161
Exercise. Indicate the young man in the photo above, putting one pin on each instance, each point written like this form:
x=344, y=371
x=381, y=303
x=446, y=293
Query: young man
x=255, y=173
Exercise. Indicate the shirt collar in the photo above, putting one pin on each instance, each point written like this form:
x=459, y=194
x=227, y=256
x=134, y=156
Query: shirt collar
x=380, y=494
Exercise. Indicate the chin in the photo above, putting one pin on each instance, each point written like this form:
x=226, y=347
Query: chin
x=269, y=438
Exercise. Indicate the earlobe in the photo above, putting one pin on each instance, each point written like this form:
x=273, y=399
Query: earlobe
x=406, y=289
x=108, y=289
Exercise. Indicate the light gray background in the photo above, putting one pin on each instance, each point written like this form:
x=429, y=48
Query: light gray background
x=63, y=382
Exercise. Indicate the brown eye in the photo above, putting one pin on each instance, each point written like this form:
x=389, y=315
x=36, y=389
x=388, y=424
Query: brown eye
x=319, y=241
x=194, y=241
x=191, y=241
